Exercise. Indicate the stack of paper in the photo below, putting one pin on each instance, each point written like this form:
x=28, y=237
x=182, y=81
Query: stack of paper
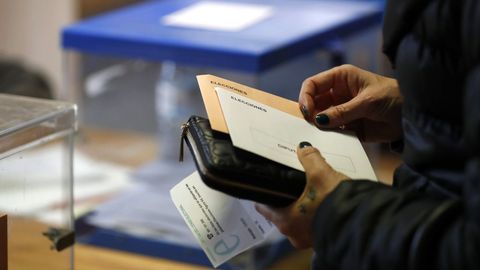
x=266, y=125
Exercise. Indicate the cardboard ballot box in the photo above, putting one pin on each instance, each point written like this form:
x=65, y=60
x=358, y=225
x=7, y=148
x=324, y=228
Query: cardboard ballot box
x=36, y=196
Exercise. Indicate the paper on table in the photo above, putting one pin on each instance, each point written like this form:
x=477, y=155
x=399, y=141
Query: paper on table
x=218, y=16
x=144, y=211
x=274, y=134
x=224, y=226
x=208, y=83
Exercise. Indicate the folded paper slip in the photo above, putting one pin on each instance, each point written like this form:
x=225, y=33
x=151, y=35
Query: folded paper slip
x=237, y=172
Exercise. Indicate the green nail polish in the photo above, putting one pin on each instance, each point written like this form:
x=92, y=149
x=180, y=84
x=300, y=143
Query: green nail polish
x=304, y=144
x=304, y=110
x=322, y=119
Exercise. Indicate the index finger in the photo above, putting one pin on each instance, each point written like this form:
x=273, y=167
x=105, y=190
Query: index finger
x=315, y=91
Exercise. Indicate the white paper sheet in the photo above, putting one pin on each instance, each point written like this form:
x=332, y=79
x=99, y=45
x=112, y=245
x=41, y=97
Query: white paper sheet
x=271, y=133
x=223, y=225
x=221, y=16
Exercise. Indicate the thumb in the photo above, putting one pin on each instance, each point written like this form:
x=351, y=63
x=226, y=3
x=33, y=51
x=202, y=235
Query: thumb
x=341, y=114
x=311, y=159
x=319, y=173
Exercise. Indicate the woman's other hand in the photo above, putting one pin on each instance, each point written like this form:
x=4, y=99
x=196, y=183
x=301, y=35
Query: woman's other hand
x=351, y=98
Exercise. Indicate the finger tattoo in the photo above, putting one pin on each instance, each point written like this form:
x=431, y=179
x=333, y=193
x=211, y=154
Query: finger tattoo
x=302, y=208
x=311, y=194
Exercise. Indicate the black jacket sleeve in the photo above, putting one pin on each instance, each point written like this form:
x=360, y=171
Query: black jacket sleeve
x=366, y=225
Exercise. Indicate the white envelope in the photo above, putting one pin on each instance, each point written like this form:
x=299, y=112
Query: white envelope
x=274, y=134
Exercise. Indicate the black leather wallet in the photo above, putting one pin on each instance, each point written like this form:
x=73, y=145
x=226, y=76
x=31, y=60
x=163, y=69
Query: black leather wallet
x=237, y=172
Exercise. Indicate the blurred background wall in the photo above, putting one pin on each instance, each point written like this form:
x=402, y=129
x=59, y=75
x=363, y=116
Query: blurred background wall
x=29, y=30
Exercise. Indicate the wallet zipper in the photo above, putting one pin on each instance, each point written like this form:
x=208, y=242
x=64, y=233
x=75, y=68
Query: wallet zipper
x=183, y=136
x=186, y=135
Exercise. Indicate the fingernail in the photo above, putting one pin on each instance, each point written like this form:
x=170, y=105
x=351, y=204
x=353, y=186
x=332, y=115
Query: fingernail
x=304, y=144
x=322, y=119
x=304, y=110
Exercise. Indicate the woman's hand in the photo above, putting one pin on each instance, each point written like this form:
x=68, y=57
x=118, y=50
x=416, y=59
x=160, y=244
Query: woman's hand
x=355, y=99
x=295, y=221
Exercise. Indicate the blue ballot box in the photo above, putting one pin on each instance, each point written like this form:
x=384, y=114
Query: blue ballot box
x=134, y=68
x=153, y=53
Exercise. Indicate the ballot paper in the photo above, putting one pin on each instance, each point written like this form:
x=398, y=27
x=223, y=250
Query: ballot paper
x=223, y=225
x=274, y=134
x=222, y=16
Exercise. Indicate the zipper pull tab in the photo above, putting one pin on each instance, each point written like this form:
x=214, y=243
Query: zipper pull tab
x=184, y=128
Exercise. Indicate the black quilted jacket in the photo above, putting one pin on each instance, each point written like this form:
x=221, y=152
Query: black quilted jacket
x=430, y=218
